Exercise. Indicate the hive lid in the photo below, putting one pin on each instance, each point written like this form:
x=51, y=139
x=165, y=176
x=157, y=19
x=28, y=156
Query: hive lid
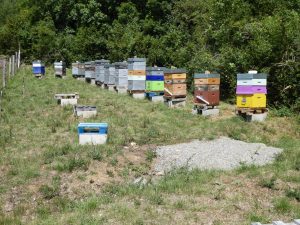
x=121, y=64
x=175, y=71
x=241, y=76
x=93, y=125
x=137, y=60
x=156, y=68
x=206, y=75
x=102, y=61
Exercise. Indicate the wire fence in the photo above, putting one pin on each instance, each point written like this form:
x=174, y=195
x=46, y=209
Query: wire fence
x=9, y=65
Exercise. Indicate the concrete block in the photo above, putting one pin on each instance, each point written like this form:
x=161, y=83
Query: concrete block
x=257, y=117
x=92, y=139
x=122, y=91
x=67, y=101
x=111, y=88
x=138, y=95
x=86, y=114
x=210, y=112
x=175, y=103
x=81, y=79
x=93, y=82
x=158, y=99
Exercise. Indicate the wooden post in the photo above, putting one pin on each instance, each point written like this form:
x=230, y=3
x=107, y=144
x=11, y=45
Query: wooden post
x=3, y=73
x=19, y=57
x=16, y=62
x=13, y=65
x=9, y=67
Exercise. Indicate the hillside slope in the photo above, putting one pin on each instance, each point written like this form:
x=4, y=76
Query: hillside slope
x=47, y=178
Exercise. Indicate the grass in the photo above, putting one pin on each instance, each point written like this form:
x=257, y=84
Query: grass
x=41, y=159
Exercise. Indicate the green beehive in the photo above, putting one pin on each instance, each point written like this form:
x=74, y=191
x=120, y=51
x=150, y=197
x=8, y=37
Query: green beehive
x=155, y=86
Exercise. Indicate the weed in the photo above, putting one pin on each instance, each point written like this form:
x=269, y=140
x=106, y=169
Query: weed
x=114, y=162
x=268, y=183
x=156, y=198
x=179, y=204
x=96, y=154
x=49, y=192
x=150, y=155
x=110, y=173
x=292, y=193
x=282, y=205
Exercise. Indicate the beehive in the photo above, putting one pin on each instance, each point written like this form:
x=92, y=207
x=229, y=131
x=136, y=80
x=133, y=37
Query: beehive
x=92, y=133
x=89, y=70
x=78, y=69
x=175, y=82
x=251, y=90
x=60, y=68
x=121, y=75
x=155, y=79
x=207, y=89
x=109, y=74
x=100, y=70
x=136, y=74
x=38, y=68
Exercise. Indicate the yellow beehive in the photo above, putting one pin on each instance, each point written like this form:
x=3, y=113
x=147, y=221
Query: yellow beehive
x=252, y=101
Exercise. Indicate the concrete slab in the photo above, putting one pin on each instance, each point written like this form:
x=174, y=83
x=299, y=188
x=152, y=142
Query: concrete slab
x=92, y=139
x=67, y=101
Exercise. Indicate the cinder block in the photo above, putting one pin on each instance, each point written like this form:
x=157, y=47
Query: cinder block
x=93, y=82
x=68, y=101
x=157, y=99
x=122, y=91
x=81, y=79
x=210, y=112
x=257, y=117
x=111, y=88
x=138, y=95
x=92, y=139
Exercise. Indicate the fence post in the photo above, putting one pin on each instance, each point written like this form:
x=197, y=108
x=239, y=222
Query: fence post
x=3, y=73
x=19, y=57
x=9, y=67
x=13, y=65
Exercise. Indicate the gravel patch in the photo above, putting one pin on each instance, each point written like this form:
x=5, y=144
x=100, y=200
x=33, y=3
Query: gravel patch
x=223, y=154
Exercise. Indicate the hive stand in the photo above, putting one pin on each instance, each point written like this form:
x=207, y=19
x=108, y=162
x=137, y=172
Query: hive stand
x=205, y=110
x=252, y=114
x=93, y=82
x=80, y=79
x=67, y=99
x=85, y=111
x=110, y=87
x=39, y=76
x=155, y=96
x=175, y=101
x=121, y=89
x=137, y=94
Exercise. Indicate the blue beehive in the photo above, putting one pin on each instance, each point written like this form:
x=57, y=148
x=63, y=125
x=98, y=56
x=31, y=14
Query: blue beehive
x=38, y=68
x=92, y=128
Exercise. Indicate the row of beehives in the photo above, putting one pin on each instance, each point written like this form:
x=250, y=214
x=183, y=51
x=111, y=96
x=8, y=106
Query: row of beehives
x=133, y=76
x=169, y=85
